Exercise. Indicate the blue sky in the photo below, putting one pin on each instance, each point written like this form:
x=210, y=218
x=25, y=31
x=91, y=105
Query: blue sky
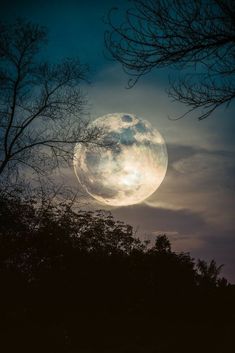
x=195, y=204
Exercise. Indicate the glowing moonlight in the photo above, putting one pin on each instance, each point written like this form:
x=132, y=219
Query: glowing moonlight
x=128, y=172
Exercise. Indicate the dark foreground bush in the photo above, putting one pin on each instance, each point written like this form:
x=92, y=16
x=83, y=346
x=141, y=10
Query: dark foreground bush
x=82, y=282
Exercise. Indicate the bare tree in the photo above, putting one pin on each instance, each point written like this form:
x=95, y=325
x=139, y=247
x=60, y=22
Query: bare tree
x=41, y=104
x=197, y=35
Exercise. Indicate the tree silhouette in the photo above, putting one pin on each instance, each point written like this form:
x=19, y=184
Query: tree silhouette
x=209, y=272
x=35, y=231
x=197, y=35
x=81, y=281
x=41, y=104
x=162, y=244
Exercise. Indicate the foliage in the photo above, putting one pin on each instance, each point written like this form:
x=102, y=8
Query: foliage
x=81, y=281
x=42, y=233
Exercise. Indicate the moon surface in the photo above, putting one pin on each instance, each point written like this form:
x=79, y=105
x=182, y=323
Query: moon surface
x=128, y=171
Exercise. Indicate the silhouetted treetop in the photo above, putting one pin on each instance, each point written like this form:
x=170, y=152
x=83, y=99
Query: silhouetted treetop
x=162, y=244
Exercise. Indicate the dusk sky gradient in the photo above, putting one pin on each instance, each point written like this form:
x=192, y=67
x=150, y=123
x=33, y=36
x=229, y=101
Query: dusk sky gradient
x=195, y=204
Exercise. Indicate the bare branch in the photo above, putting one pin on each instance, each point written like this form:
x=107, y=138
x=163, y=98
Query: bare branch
x=41, y=105
x=184, y=34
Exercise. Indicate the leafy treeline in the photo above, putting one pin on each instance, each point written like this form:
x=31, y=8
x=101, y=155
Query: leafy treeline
x=82, y=282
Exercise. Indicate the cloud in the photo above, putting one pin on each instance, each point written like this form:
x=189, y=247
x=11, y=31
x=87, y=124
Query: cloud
x=201, y=180
x=188, y=231
x=152, y=220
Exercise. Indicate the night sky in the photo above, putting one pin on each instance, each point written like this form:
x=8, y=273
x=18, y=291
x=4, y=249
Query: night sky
x=195, y=204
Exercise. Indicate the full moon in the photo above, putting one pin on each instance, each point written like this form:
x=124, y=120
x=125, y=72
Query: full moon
x=131, y=166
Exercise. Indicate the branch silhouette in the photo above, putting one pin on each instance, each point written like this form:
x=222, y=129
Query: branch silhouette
x=42, y=107
x=195, y=36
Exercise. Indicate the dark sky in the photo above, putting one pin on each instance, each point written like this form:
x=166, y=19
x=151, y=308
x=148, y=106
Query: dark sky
x=195, y=204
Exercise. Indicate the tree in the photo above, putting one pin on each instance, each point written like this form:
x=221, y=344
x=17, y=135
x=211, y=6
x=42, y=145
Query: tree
x=162, y=244
x=209, y=273
x=35, y=235
x=197, y=35
x=68, y=276
x=41, y=104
